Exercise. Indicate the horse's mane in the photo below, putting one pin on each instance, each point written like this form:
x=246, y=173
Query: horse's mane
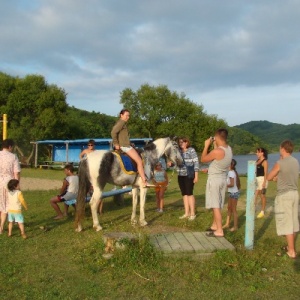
x=150, y=147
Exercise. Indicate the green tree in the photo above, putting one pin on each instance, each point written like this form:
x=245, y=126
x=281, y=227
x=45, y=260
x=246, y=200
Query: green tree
x=158, y=112
x=86, y=124
x=35, y=110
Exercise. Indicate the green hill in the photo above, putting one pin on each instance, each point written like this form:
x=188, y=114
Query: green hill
x=272, y=133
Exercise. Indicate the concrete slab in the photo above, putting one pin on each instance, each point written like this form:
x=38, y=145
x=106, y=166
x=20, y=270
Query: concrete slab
x=189, y=243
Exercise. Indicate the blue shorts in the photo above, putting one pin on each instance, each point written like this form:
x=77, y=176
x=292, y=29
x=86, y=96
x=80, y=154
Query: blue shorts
x=15, y=217
x=234, y=195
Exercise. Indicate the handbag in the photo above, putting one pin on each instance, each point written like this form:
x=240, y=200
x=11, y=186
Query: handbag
x=190, y=171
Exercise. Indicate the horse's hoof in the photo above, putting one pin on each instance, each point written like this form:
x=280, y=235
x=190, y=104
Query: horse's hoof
x=133, y=222
x=97, y=228
x=78, y=229
x=143, y=223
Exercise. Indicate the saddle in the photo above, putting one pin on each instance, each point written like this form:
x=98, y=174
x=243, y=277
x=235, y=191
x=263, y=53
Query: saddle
x=127, y=164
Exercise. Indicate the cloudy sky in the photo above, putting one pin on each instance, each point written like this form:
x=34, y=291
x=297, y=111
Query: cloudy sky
x=239, y=59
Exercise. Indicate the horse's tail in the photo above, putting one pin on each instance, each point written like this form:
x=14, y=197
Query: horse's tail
x=84, y=187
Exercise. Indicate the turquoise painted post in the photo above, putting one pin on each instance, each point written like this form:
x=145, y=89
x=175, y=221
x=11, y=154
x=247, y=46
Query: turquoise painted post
x=250, y=208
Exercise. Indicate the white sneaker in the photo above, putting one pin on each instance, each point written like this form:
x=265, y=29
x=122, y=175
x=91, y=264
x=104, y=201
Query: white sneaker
x=183, y=217
x=192, y=218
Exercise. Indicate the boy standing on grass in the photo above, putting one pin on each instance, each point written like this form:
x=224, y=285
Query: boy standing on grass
x=286, y=173
x=15, y=202
x=68, y=191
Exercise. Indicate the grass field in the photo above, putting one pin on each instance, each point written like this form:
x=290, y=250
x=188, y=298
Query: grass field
x=55, y=262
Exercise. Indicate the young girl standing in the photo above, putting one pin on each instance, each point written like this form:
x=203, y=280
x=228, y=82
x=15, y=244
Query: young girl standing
x=261, y=179
x=15, y=203
x=161, y=181
x=233, y=184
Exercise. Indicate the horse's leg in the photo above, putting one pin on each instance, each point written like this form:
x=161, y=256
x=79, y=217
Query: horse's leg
x=134, y=193
x=143, y=192
x=94, y=204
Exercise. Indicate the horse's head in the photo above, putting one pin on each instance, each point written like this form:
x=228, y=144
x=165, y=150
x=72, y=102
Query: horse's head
x=172, y=153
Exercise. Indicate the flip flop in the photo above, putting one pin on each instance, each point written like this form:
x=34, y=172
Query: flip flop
x=286, y=253
x=212, y=234
x=210, y=229
x=292, y=257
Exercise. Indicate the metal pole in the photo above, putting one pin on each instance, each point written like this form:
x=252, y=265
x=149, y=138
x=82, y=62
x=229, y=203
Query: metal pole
x=36, y=155
x=4, y=127
x=250, y=208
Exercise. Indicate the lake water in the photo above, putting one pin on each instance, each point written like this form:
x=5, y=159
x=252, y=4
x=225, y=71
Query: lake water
x=242, y=161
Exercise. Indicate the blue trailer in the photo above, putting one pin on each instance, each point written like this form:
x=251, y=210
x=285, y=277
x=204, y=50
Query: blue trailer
x=67, y=151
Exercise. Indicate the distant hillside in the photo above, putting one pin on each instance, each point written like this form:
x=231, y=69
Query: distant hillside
x=273, y=133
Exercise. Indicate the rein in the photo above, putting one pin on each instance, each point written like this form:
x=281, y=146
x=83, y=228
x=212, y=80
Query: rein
x=171, y=176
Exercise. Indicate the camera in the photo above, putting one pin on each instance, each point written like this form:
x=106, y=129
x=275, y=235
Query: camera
x=212, y=138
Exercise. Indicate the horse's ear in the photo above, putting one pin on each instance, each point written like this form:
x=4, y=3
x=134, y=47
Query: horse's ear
x=175, y=139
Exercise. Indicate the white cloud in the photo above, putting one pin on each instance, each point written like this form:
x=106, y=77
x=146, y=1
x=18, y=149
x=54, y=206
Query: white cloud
x=224, y=55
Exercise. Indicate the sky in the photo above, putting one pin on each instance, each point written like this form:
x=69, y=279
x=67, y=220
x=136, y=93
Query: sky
x=239, y=59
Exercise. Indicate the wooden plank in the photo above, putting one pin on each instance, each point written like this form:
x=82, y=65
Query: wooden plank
x=226, y=244
x=202, y=239
x=215, y=241
x=162, y=243
x=194, y=242
x=175, y=245
x=183, y=241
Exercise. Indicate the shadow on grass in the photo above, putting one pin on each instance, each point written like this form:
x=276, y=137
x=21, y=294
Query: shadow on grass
x=263, y=228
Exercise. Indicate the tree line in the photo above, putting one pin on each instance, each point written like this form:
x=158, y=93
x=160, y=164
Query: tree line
x=37, y=111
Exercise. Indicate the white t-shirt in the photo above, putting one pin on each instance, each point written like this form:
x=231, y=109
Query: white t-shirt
x=73, y=184
x=233, y=189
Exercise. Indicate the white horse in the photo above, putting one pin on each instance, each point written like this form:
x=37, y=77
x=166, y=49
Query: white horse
x=102, y=167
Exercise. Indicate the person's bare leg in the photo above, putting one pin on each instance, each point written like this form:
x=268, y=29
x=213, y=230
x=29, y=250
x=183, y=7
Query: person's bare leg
x=101, y=207
x=229, y=213
x=263, y=202
x=291, y=252
x=157, y=199
x=66, y=209
x=53, y=203
x=218, y=222
x=135, y=156
x=2, y=222
x=21, y=226
x=10, y=226
x=186, y=205
x=161, y=197
x=235, y=216
x=191, y=204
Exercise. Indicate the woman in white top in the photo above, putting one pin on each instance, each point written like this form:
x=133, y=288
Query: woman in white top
x=233, y=184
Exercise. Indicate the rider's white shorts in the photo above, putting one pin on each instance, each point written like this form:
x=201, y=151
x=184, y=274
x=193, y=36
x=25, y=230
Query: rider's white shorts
x=126, y=149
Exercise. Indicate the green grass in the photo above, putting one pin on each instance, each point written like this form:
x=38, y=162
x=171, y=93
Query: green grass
x=55, y=262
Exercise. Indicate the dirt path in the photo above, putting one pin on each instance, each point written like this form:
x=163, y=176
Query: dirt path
x=31, y=184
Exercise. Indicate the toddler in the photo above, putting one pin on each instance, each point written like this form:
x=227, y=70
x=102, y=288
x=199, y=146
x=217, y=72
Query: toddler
x=15, y=202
